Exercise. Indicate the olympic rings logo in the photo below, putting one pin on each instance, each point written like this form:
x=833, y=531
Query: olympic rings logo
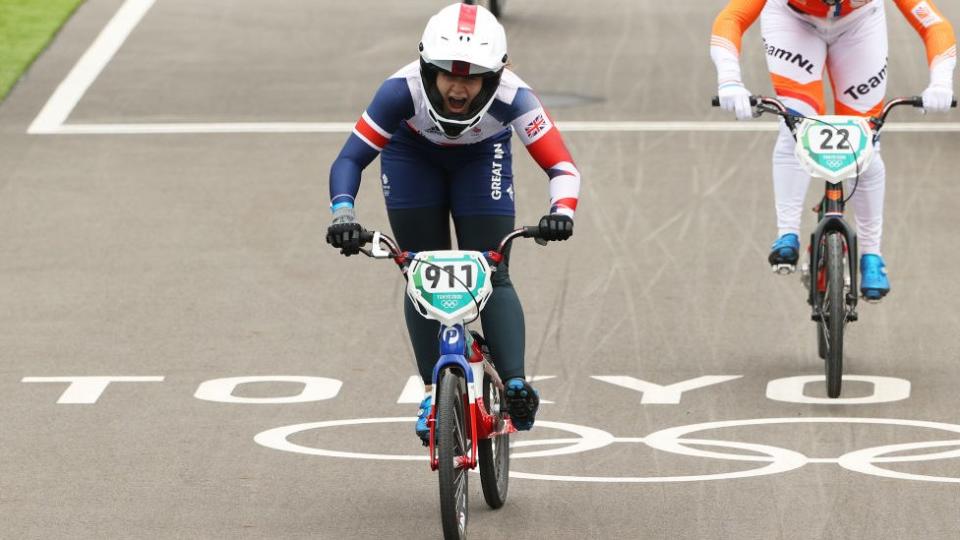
x=676, y=440
x=834, y=163
x=449, y=304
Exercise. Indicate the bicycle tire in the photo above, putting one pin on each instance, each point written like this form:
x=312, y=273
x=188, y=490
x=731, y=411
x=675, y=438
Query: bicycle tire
x=494, y=453
x=835, y=312
x=452, y=441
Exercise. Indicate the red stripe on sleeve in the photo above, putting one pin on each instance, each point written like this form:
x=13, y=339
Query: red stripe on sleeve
x=570, y=203
x=371, y=134
x=549, y=149
x=468, y=19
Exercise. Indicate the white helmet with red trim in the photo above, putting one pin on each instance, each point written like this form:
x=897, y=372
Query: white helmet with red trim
x=464, y=40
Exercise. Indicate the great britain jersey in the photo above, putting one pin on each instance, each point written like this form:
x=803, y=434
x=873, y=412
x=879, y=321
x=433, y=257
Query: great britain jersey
x=400, y=103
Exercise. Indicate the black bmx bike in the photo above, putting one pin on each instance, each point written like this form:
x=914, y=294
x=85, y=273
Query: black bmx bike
x=836, y=149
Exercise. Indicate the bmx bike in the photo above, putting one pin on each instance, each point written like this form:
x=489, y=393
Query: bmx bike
x=833, y=148
x=469, y=425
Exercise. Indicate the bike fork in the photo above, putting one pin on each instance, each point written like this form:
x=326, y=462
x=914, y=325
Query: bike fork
x=454, y=353
x=832, y=224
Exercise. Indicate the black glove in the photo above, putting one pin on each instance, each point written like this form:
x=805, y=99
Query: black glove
x=344, y=232
x=555, y=227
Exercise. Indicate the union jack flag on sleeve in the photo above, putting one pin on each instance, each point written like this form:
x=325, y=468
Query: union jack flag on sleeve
x=538, y=133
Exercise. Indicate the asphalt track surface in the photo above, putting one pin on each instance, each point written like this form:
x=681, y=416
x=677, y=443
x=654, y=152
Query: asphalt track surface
x=190, y=257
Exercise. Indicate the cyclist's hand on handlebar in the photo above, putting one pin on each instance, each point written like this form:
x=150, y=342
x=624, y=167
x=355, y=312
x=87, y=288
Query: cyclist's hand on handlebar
x=555, y=227
x=937, y=98
x=344, y=232
x=735, y=98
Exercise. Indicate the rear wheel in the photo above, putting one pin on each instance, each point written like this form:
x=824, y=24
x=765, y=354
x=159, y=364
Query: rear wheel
x=494, y=453
x=452, y=445
x=834, y=314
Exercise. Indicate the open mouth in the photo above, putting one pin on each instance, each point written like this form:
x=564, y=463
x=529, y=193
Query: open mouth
x=456, y=104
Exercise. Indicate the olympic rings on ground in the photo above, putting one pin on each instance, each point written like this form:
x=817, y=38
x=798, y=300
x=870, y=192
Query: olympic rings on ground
x=774, y=459
x=279, y=439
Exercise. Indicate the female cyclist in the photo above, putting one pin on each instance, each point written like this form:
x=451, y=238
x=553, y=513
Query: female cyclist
x=848, y=39
x=442, y=127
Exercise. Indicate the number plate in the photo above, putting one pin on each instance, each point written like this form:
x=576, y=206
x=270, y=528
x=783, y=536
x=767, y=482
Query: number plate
x=834, y=147
x=449, y=284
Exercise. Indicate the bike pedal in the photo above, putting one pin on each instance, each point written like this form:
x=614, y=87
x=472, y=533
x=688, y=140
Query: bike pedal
x=783, y=269
x=852, y=316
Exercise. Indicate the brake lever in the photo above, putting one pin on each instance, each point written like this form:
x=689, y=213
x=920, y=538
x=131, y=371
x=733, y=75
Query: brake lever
x=377, y=250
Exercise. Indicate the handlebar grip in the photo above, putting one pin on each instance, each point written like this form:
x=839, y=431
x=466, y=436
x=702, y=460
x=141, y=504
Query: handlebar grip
x=366, y=236
x=531, y=232
x=917, y=101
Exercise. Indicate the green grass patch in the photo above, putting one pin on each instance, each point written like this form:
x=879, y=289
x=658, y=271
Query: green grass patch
x=26, y=26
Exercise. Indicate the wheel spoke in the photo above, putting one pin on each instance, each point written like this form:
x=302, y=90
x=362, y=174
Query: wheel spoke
x=458, y=432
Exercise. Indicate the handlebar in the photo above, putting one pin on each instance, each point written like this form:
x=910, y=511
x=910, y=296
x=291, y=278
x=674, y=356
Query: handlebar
x=402, y=258
x=764, y=104
x=773, y=105
x=914, y=101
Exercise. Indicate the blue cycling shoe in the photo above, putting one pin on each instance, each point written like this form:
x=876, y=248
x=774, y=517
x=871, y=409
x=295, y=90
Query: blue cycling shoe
x=784, y=254
x=522, y=403
x=423, y=429
x=874, y=284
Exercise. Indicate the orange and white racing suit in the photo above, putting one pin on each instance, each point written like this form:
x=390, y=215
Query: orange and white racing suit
x=802, y=39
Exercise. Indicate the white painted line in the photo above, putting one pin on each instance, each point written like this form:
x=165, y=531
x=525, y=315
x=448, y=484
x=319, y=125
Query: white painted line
x=240, y=127
x=88, y=68
x=639, y=126
x=347, y=127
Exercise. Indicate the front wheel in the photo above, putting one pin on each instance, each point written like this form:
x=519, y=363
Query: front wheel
x=494, y=453
x=453, y=448
x=834, y=314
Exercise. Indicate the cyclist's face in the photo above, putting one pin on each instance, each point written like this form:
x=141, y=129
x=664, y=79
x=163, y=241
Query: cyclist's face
x=458, y=92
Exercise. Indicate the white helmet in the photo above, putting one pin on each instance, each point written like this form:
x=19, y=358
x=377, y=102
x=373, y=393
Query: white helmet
x=464, y=40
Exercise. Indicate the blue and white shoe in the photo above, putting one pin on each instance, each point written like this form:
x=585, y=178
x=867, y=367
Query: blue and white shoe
x=522, y=402
x=423, y=429
x=784, y=254
x=874, y=283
